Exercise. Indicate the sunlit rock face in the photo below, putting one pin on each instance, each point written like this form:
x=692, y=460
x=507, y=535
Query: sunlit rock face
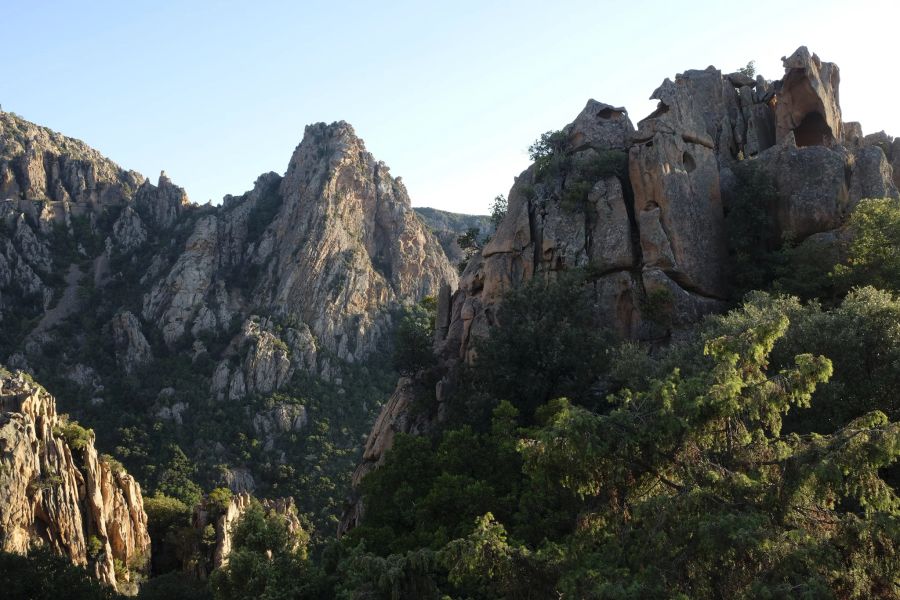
x=61, y=496
x=223, y=520
x=658, y=229
x=808, y=102
x=341, y=246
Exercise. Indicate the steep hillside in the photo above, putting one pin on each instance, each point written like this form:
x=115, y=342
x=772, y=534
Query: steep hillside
x=243, y=342
x=448, y=226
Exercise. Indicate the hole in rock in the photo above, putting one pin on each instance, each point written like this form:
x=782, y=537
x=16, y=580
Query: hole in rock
x=813, y=131
x=688, y=161
x=609, y=113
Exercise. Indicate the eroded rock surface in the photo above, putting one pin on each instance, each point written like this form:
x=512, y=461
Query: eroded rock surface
x=656, y=230
x=132, y=349
x=808, y=103
x=63, y=495
x=223, y=519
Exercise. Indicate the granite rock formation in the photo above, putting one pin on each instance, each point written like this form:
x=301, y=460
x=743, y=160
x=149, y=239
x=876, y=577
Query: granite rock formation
x=224, y=519
x=62, y=494
x=657, y=229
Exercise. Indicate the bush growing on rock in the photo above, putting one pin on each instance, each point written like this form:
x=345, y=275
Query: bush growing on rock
x=874, y=252
x=76, y=436
x=414, y=338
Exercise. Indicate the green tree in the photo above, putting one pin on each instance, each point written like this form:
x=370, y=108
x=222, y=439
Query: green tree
x=169, y=526
x=470, y=243
x=750, y=229
x=749, y=70
x=498, y=210
x=414, y=337
x=874, y=252
x=43, y=575
x=691, y=487
x=267, y=561
x=177, y=478
x=548, y=154
x=547, y=343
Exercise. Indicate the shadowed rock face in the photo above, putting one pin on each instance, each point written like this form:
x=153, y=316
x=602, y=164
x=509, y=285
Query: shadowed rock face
x=56, y=495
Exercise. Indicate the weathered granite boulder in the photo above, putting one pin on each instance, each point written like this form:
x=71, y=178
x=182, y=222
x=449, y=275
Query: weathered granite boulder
x=872, y=174
x=808, y=102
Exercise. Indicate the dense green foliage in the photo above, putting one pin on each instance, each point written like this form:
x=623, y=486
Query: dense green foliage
x=750, y=229
x=874, y=252
x=549, y=344
x=266, y=561
x=43, y=575
x=689, y=483
x=76, y=436
x=414, y=337
x=547, y=151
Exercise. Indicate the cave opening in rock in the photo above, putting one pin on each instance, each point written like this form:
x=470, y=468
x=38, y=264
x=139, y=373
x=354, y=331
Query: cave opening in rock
x=609, y=113
x=813, y=131
x=688, y=161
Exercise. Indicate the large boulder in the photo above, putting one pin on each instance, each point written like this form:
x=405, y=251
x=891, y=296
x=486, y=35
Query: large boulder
x=872, y=175
x=808, y=102
x=812, y=188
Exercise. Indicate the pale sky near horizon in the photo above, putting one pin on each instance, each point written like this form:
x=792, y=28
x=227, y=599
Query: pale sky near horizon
x=449, y=95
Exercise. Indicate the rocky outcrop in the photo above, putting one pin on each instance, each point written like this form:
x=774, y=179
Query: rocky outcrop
x=872, y=175
x=128, y=231
x=56, y=491
x=161, y=204
x=19, y=281
x=281, y=419
x=329, y=247
x=674, y=169
x=132, y=349
x=262, y=359
x=655, y=232
x=346, y=244
x=175, y=300
x=223, y=519
x=37, y=163
x=808, y=102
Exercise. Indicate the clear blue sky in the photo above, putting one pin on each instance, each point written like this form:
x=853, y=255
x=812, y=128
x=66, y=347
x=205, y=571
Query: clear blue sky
x=449, y=94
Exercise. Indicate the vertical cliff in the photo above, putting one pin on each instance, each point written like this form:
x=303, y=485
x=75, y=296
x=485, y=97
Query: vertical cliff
x=56, y=491
x=644, y=210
